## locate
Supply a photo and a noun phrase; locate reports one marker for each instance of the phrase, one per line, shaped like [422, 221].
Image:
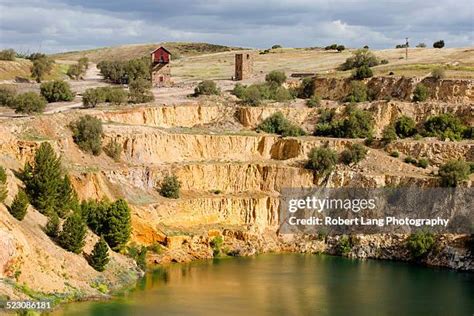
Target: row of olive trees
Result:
[32, 102]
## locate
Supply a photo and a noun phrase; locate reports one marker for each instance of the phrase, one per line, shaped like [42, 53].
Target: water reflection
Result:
[292, 284]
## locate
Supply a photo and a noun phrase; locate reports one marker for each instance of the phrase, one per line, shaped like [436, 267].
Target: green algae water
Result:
[291, 284]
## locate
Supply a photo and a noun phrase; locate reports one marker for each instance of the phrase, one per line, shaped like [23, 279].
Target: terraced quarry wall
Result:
[230, 178]
[401, 88]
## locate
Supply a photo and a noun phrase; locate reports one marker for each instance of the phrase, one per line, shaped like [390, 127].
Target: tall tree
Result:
[72, 236]
[48, 189]
[68, 197]
[100, 255]
[41, 67]
[20, 205]
[117, 227]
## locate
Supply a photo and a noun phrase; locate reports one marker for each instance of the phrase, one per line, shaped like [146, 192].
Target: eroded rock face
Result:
[166, 116]
[435, 151]
[452, 90]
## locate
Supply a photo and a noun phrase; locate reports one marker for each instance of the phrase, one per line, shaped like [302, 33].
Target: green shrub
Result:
[29, 102]
[405, 126]
[276, 46]
[7, 96]
[354, 154]
[282, 94]
[52, 226]
[423, 163]
[115, 95]
[170, 187]
[420, 243]
[113, 149]
[395, 154]
[468, 132]
[72, 236]
[252, 96]
[421, 45]
[140, 91]
[388, 134]
[471, 167]
[453, 172]
[356, 124]
[421, 93]
[100, 255]
[7, 54]
[444, 126]
[19, 205]
[42, 66]
[87, 134]
[362, 72]
[276, 77]
[139, 255]
[331, 47]
[239, 90]
[369, 141]
[361, 57]
[83, 62]
[438, 44]
[3, 185]
[306, 89]
[58, 90]
[3, 175]
[358, 92]
[384, 62]
[410, 160]
[438, 73]
[340, 48]
[92, 97]
[344, 245]
[216, 245]
[322, 160]
[278, 124]
[206, 87]
[314, 101]
[75, 72]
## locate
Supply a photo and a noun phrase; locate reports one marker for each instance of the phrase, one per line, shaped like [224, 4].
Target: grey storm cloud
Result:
[60, 25]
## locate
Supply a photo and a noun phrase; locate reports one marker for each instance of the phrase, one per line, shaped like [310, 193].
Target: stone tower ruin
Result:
[243, 66]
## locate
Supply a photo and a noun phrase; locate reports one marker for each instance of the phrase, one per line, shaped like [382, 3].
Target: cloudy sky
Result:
[63, 25]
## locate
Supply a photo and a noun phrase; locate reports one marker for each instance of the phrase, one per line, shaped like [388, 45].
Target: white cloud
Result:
[58, 25]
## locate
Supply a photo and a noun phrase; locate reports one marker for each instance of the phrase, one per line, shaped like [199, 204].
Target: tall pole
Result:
[406, 48]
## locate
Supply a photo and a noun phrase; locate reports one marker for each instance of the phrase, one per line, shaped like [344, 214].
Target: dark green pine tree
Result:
[117, 227]
[20, 205]
[67, 197]
[95, 214]
[72, 236]
[100, 255]
[52, 226]
[43, 180]
[3, 184]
